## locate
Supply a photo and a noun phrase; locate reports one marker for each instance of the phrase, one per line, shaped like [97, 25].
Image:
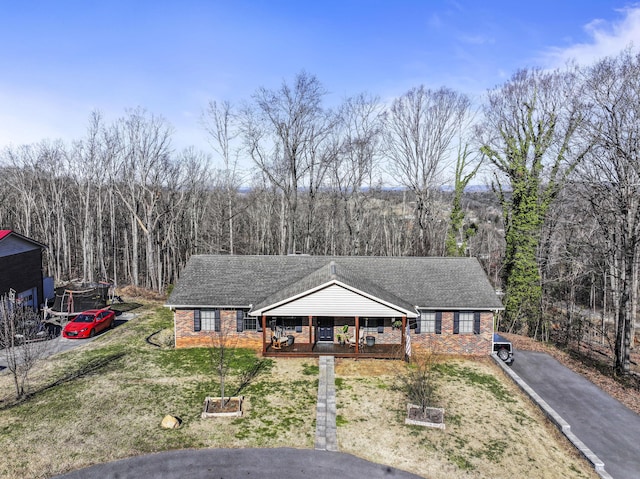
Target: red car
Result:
[88, 323]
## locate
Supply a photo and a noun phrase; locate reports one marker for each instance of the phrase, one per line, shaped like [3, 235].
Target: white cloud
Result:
[608, 38]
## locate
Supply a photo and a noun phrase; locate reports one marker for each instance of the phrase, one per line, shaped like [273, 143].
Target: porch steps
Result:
[326, 437]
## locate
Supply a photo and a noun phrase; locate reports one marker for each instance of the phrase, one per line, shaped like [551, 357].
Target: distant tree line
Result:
[561, 226]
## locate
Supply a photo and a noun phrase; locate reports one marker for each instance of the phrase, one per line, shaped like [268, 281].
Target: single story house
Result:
[299, 305]
[21, 269]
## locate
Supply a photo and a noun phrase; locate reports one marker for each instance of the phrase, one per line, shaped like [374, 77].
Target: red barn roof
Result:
[4, 233]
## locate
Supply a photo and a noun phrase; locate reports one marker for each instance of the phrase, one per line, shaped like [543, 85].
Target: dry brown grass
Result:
[484, 437]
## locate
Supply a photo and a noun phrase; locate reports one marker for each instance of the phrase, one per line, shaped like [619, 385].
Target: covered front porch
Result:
[345, 337]
[320, 317]
[300, 350]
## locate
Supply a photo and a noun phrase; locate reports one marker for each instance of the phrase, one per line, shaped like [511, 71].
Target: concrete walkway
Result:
[326, 435]
[599, 426]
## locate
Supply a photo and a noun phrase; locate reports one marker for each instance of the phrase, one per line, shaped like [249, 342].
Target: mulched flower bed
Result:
[431, 415]
[230, 405]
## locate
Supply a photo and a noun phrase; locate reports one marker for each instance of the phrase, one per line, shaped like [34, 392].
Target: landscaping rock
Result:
[170, 422]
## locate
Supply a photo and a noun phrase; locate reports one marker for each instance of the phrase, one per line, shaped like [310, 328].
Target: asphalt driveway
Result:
[60, 344]
[606, 426]
[280, 463]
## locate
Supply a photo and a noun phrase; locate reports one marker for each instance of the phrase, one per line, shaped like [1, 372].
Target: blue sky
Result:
[59, 60]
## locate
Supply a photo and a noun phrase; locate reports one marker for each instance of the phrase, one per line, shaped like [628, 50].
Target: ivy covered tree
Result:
[457, 235]
[529, 135]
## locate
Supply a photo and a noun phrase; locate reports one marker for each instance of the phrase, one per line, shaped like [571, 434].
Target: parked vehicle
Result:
[503, 348]
[88, 323]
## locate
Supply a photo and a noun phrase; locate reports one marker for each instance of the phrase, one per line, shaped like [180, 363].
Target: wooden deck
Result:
[306, 350]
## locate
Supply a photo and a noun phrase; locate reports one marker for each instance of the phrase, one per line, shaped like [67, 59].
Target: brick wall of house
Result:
[462, 344]
[186, 337]
[445, 343]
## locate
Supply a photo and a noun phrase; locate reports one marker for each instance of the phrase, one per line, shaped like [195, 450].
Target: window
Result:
[429, 322]
[210, 320]
[466, 322]
[289, 323]
[371, 325]
[251, 323]
[206, 320]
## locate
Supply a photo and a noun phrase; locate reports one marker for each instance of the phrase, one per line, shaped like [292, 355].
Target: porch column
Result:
[310, 329]
[357, 337]
[264, 334]
[404, 338]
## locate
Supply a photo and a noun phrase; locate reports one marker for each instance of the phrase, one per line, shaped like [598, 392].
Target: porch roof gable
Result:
[332, 274]
[334, 298]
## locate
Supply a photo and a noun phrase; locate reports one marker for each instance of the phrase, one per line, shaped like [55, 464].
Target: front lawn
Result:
[105, 401]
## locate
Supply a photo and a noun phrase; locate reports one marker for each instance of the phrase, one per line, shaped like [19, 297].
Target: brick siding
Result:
[467, 344]
[186, 337]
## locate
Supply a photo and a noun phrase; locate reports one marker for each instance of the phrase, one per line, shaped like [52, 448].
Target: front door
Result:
[325, 329]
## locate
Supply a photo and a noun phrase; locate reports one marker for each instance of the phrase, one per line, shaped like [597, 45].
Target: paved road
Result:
[607, 427]
[281, 463]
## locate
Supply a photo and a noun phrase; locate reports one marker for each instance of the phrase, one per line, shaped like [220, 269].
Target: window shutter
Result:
[239, 320]
[216, 320]
[456, 323]
[476, 322]
[197, 324]
[418, 321]
[438, 322]
[259, 324]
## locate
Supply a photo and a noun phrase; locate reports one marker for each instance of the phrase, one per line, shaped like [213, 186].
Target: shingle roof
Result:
[334, 271]
[6, 233]
[244, 281]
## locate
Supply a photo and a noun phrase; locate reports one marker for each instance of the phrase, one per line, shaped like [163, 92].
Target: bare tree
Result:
[222, 353]
[360, 138]
[141, 170]
[612, 173]
[282, 130]
[19, 328]
[221, 124]
[420, 128]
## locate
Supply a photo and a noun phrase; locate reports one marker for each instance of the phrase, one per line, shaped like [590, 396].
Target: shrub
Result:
[420, 383]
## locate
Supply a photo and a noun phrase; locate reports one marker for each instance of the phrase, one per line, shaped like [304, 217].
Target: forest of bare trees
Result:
[558, 221]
